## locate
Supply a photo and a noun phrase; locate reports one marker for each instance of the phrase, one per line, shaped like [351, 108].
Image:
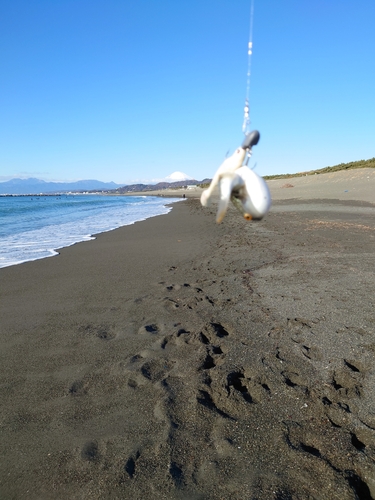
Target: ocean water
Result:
[35, 227]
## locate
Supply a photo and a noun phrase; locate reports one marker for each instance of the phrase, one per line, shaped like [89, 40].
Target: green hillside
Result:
[342, 166]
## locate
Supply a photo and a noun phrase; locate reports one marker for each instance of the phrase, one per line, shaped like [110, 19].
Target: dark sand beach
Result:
[180, 359]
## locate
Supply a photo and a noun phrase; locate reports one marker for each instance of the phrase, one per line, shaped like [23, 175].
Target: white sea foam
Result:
[32, 229]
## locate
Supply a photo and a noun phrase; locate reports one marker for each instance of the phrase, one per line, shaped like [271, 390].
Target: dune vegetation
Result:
[326, 170]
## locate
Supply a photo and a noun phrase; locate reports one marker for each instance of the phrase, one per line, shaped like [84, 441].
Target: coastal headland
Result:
[180, 359]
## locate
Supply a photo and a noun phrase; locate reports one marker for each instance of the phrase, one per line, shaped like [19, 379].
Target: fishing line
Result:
[246, 119]
[236, 182]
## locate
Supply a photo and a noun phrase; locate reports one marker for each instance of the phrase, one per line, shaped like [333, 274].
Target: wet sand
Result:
[177, 358]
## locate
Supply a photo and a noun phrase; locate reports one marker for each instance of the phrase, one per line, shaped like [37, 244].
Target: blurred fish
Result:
[248, 191]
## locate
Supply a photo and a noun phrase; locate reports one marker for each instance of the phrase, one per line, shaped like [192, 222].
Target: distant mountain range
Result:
[160, 185]
[37, 186]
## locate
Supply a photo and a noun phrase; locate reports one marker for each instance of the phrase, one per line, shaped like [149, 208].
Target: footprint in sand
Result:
[154, 329]
[103, 332]
[78, 388]
[90, 451]
[131, 465]
[315, 445]
[173, 287]
[342, 392]
[156, 369]
[151, 328]
[185, 295]
[347, 382]
[293, 379]
[252, 388]
[311, 352]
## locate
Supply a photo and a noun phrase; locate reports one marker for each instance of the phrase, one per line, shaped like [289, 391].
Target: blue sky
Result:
[131, 91]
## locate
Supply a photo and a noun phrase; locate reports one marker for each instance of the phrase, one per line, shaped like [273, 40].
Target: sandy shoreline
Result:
[175, 358]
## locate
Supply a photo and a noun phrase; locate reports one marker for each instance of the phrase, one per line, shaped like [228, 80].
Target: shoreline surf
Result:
[33, 227]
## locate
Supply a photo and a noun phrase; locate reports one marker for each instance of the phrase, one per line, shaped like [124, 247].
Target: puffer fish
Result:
[248, 191]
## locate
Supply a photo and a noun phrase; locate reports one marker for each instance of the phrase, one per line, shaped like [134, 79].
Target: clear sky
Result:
[133, 90]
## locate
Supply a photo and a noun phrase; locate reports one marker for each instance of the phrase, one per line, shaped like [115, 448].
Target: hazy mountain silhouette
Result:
[37, 186]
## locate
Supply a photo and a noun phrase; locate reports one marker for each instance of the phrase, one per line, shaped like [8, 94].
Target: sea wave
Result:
[35, 228]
